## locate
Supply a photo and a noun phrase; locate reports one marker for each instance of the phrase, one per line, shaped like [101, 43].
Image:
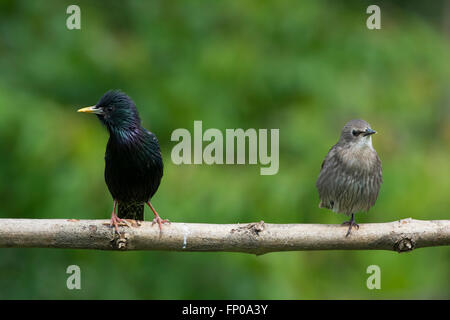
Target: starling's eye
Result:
[109, 109]
[356, 133]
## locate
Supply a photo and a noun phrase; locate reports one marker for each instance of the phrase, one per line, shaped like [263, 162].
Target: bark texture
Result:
[257, 238]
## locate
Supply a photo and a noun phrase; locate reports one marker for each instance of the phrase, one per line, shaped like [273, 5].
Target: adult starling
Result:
[351, 176]
[133, 162]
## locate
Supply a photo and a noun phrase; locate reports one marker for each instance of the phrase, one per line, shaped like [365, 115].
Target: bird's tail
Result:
[131, 210]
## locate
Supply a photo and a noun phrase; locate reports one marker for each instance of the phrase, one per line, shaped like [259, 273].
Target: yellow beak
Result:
[91, 109]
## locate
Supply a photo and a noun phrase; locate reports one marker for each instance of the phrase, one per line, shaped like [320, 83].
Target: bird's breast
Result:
[361, 159]
[132, 170]
[129, 159]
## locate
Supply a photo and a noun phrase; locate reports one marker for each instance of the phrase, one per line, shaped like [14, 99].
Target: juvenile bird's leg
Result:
[115, 220]
[350, 224]
[157, 219]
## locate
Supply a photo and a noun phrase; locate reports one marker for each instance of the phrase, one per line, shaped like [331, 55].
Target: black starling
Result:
[133, 162]
[351, 176]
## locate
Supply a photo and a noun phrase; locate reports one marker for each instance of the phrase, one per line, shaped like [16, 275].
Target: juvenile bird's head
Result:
[116, 111]
[357, 133]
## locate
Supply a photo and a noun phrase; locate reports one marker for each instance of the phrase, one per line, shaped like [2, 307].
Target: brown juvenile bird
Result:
[351, 175]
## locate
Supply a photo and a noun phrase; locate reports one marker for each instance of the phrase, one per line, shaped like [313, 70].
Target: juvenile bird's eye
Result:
[356, 132]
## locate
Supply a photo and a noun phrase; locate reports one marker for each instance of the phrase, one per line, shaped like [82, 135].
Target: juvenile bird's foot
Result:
[350, 225]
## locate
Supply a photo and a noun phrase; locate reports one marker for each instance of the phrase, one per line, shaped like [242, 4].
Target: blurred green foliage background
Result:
[305, 67]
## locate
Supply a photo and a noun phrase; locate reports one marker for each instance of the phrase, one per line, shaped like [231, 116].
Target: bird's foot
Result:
[350, 225]
[116, 221]
[159, 221]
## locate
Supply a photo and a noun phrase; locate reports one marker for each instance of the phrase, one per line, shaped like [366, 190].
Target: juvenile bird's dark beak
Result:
[368, 132]
[92, 109]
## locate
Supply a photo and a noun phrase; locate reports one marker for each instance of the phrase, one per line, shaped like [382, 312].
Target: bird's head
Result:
[115, 110]
[357, 133]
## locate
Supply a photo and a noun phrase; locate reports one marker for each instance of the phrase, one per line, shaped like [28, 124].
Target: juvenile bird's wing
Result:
[376, 181]
[326, 182]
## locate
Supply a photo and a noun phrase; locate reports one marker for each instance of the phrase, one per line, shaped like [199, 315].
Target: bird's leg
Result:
[115, 220]
[350, 224]
[157, 219]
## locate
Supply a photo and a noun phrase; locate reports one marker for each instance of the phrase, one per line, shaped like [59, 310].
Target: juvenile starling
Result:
[133, 162]
[351, 176]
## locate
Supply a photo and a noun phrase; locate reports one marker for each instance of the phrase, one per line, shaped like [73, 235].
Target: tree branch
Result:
[257, 238]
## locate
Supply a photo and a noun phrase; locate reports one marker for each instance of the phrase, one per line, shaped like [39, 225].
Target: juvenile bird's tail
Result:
[131, 210]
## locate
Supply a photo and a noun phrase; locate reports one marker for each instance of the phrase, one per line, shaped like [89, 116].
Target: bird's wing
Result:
[377, 180]
[152, 136]
[327, 179]
[155, 150]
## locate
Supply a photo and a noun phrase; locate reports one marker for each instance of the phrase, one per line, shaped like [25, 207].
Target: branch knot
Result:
[405, 245]
[120, 242]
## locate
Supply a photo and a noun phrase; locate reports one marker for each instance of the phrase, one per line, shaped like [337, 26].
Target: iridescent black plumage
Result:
[133, 162]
